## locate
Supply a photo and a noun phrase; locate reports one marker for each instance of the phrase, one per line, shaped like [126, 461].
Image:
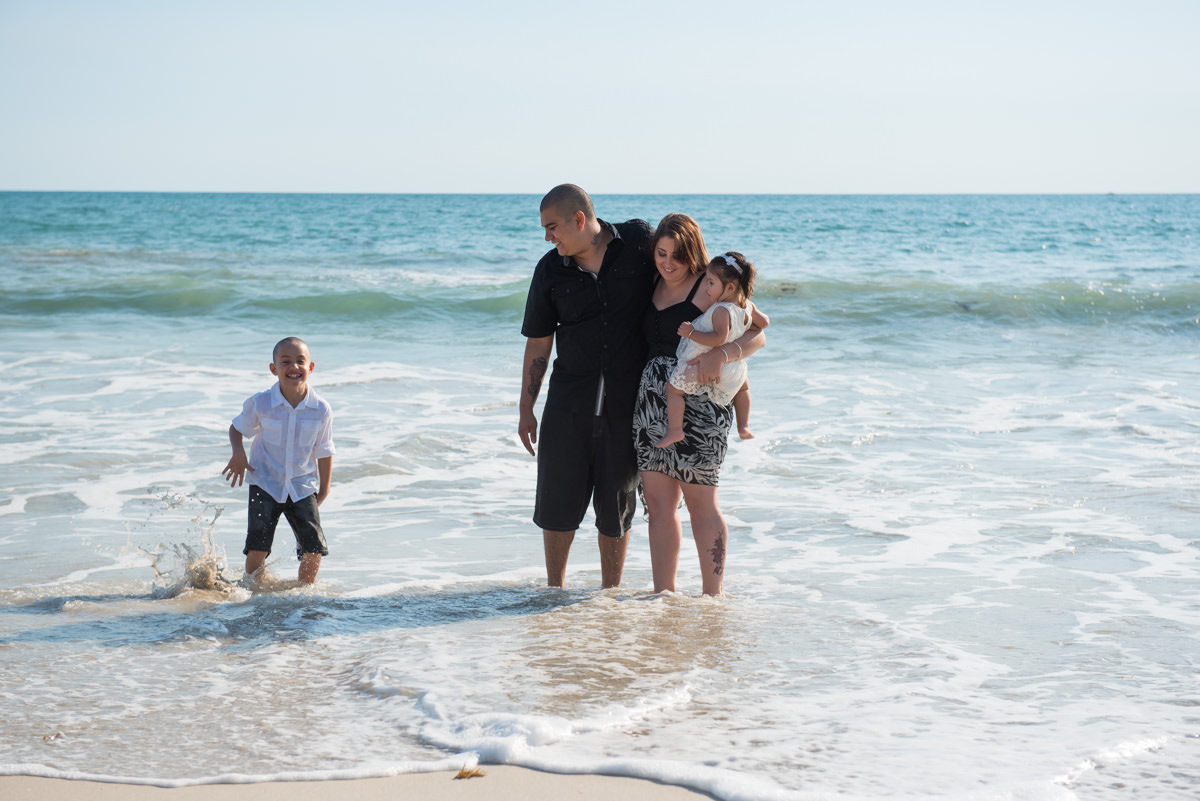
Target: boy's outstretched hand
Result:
[235, 471]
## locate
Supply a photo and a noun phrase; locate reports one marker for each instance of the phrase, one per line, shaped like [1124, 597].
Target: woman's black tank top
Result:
[661, 327]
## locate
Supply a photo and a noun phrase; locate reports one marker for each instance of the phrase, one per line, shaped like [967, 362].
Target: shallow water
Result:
[963, 556]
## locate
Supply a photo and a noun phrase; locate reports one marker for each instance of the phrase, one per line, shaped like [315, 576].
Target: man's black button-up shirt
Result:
[596, 320]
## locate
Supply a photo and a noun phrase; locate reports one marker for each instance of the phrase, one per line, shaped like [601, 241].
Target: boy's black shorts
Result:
[302, 515]
[582, 458]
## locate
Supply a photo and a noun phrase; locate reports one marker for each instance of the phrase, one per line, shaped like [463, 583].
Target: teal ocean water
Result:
[963, 561]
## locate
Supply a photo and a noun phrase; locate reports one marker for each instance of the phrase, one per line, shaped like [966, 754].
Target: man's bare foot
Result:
[670, 439]
[745, 433]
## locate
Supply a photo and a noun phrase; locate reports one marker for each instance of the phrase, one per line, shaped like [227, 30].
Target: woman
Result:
[687, 469]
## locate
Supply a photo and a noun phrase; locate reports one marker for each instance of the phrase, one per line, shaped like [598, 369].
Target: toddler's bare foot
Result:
[745, 433]
[670, 439]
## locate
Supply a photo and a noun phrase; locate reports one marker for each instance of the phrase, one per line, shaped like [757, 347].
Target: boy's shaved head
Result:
[287, 341]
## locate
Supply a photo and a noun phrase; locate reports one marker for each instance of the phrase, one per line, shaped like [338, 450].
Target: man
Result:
[588, 296]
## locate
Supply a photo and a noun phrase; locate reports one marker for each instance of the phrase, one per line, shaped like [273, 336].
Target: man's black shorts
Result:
[302, 515]
[584, 458]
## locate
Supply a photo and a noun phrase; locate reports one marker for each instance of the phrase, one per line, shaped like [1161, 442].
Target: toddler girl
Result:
[728, 285]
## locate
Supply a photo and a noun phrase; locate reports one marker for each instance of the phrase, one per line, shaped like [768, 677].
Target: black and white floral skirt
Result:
[695, 460]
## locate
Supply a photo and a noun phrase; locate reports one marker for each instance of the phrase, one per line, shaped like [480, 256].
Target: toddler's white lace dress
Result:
[733, 374]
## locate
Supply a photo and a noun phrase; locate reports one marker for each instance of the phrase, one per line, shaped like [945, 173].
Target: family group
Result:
[649, 337]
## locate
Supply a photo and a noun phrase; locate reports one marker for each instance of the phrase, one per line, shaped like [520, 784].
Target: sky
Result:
[737, 96]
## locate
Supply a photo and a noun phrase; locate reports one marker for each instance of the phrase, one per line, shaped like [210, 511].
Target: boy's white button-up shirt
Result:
[287, 442]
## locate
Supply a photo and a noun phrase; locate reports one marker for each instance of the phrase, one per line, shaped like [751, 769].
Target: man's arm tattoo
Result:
[537, 371]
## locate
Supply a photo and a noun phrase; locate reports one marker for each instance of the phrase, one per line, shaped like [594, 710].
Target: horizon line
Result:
[596, 194]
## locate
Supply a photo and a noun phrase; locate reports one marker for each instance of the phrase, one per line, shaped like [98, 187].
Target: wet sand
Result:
[499, 783]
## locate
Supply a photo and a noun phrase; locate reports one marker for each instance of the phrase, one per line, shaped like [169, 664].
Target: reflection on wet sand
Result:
[616, 648]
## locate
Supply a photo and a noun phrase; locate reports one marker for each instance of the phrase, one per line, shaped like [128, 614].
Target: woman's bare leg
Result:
[666, 533]
[708, 529]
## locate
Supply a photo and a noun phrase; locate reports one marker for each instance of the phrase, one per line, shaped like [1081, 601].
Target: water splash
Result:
[181, 567]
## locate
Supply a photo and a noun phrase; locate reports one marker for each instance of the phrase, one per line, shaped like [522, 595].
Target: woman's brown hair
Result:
[689, 242]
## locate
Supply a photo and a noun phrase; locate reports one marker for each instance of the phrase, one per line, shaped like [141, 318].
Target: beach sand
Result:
[500, 783]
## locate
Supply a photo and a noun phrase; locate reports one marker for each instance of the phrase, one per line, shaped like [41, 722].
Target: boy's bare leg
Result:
[558, 547]
[254, 562]
[741, 410]
[310, 563]
[675, 404]
[612, 559]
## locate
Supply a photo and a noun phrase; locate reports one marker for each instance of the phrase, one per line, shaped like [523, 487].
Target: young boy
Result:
[291, 460]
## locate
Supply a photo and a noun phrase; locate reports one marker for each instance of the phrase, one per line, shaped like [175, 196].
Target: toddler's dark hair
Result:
[733, 266]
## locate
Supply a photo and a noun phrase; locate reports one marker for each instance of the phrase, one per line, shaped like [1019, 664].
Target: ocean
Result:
[963, 559]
